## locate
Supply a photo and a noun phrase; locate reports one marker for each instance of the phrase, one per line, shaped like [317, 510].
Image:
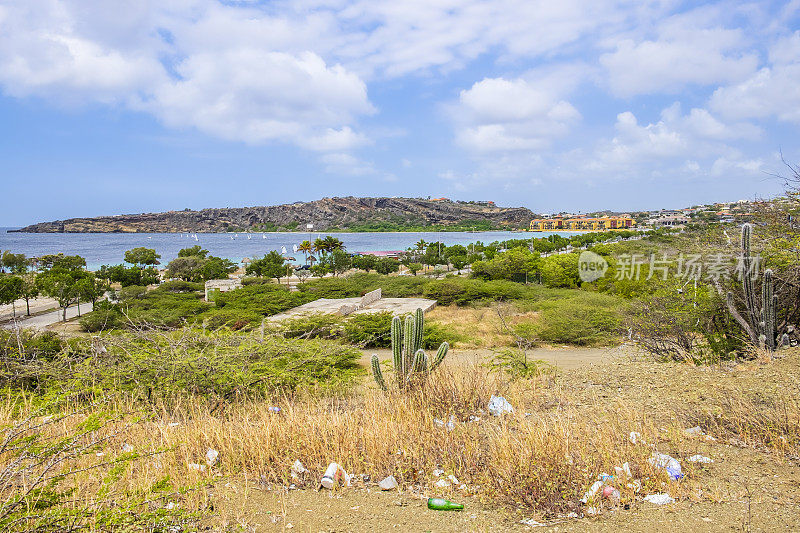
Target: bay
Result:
[108, 248]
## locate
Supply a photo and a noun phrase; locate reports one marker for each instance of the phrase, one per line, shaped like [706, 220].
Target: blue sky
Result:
[121, 107]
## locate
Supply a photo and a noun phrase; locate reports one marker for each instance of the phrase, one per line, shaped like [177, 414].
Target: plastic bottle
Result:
[331, 476]
[440, 504]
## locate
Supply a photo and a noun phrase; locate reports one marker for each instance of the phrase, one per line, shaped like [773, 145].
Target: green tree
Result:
[10, 291]
[272, 265]
[62, 286]
[560, 271]
[142, 257]
[30, 289]
[414, 268]
[14, 263]
[339, 261]
[194, 251]
[387, 265]
[458, 262]
[365, 262]
[306, 247]
[89, 288]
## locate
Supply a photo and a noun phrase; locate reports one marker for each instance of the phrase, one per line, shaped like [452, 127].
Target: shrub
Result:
[105, 316]
[560, 270]
[178, 285]
[263, 299]
[585, 319]
[369, 329]
[312, 326]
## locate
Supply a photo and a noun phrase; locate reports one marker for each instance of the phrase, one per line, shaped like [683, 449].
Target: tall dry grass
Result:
[538, 458]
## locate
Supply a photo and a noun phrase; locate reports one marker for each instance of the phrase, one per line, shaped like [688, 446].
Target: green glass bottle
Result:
[440, 504]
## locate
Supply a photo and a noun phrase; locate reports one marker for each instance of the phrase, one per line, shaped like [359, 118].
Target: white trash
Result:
[627, 469]
[498, 406]
[333, 474]
[659, 499]
[453, 479]
[297, 469]
[634, 437]
[438, 472]
[670, 464]
[693, 432]
[388, 483]
[596, 486]
[212, 456]
[127, 448]
[451, 423]
[442, 484]
[196, 466]
[700, 459]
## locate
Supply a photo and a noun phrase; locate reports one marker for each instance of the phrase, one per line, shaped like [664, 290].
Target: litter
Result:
[212, 456]
[659, 499]
[498, 406]
[442, 484]
[700, 459]
[610, 493]
[627, 469]
[196, 466]
[670, 464]
[333, 474]
[597, 485]
[473, 418]
[297, 469]
[438, 422]
[635, 437]
[173, 424]
[438, 472]
[693, 432]
[273, 409]
[127, 448]
[451, 423]
[605, 478]
[453, 479]
[388, 483]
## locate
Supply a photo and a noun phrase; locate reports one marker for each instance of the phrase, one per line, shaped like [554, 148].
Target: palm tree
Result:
[332, 243]
[421, 246]
[320, 246]
[305, 247]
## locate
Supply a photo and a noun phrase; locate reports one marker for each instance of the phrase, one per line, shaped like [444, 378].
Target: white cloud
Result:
[496, 114]
[347, 164]
[677, 145]
[688, 49]
[773, 91]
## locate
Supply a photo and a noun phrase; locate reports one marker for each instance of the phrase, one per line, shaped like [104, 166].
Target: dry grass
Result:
[480, 326]
[564, 432]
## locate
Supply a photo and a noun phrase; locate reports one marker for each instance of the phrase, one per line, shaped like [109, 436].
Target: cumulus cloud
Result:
[678, 143]
[688, 49]
[773, 91]
[497, 114]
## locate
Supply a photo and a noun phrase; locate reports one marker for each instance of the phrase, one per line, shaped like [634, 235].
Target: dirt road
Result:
[42, 321]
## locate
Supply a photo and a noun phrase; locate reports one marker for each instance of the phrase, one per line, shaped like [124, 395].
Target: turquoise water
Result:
[108, 248]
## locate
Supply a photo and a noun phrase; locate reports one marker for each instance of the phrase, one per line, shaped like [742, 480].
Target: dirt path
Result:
[42, 321]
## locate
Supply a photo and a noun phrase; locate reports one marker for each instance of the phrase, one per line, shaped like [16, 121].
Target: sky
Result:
[110, 107]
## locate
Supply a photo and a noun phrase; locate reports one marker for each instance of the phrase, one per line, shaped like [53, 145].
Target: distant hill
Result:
[328, 214]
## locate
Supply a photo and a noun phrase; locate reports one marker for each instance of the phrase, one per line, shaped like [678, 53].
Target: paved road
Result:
[40, 322]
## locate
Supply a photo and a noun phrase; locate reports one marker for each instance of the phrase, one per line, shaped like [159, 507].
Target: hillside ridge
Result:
[326, 214]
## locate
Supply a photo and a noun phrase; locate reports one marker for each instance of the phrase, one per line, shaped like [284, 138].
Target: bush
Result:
[105, 316]
[369, 329]
[178, 285]
[586, 319]
[312, 326]
[263, 299]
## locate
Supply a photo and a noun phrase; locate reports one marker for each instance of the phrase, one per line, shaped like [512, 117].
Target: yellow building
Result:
[582, 224]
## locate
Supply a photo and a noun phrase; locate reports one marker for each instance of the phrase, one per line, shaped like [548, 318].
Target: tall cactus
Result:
[411, 365]
[760, 323]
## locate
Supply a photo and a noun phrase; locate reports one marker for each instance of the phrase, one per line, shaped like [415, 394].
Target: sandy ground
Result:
[744, 489]
[47, 320]
[38, 305]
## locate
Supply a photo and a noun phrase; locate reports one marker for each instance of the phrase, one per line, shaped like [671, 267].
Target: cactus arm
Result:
[440, 354]
[397, 348]
[768, 301]
[747, 282]
[377, 374]
[419, 328]
[408, 345]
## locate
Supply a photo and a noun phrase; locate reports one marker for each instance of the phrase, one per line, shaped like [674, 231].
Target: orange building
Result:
[582, 224]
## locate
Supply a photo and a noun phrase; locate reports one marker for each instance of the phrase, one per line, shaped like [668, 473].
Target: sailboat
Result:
[195, 236]
[249, 237]
[263, 236]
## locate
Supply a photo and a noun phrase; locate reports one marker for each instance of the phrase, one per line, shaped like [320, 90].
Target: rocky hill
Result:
[328, 214]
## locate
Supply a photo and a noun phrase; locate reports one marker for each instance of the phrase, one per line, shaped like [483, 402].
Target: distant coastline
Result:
[348, 214]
